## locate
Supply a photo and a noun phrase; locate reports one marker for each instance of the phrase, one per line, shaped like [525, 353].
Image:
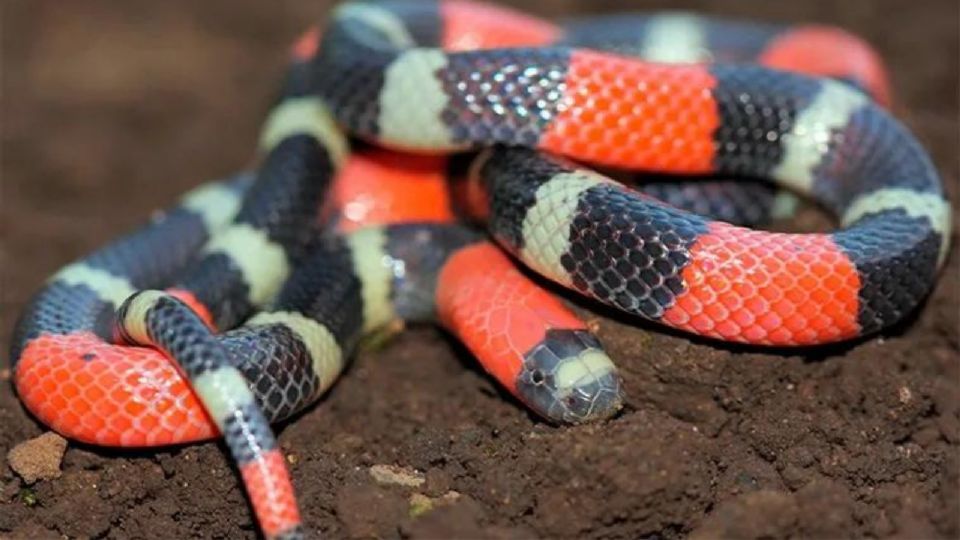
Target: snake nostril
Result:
[537, 376]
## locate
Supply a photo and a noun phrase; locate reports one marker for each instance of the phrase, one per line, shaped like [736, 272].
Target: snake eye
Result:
[537, 376]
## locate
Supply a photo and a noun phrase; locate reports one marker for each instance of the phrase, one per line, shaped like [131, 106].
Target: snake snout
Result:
[569, 379]
[593, 397]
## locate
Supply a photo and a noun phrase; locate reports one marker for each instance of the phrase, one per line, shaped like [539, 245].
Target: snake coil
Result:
[247, 255]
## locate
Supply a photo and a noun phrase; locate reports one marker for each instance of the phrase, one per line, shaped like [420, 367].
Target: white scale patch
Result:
[134, 322]
[411, 102]
[324, 350]
[215, 203]
[376, 271]
[379, 18]
[222, 390]
[785, 204]
[114, 289]
[547, 223]
[675, 38]
[914, 203]
[262, 262]
[411, 98]
[307, 116]
[588, 366]
[808, 141]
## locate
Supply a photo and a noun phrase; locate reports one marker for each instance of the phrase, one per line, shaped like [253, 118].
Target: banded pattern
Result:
[239, 270]
[819, 137]
[546, 357]
[405, 75]
[240, 267]
[710, 278]
[64, 333]
[689, 37]
[293, 350]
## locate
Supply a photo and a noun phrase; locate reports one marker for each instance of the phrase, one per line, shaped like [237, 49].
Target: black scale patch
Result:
[859, 86]
[61, 309]
[422, 250]
[241, 429]
[506, 96]
[621, 34]
[873, 151]
[511, 177]
[148, 257]
[348, 73]
[284, 199]
[326, 288]
[297, 81]
[745, 202]
[173, 327]
[757, 107]
[731, 40]
[277, 365]
[628, 251]
[151, 255]
[421, 19]
[896, 258]
[283, 203]
[726, 40]
[217, 282]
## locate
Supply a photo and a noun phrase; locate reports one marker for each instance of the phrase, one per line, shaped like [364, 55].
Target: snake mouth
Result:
[569, 379]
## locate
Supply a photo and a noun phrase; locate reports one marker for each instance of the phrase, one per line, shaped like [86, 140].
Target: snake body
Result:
[440, 78]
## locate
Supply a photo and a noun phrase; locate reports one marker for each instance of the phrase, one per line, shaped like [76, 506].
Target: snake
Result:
[238, 307]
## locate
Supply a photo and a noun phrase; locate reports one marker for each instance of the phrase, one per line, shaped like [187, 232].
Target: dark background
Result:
[111, 109]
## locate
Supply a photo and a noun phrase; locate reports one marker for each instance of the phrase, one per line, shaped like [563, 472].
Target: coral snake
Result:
[253, 255]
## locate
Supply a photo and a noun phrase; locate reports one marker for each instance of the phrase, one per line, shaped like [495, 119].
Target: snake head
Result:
[568, 378]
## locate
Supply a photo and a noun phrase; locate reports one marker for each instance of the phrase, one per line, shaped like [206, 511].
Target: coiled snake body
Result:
[540, 101]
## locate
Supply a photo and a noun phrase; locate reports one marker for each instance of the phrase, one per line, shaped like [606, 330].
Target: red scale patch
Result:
[768, 288]
[382, 187]
[829, 52]
[496, 311]
[271, 493]
[626, 113]
[125, 396]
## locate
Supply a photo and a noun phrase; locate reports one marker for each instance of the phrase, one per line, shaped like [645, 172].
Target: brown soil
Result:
[111, 109]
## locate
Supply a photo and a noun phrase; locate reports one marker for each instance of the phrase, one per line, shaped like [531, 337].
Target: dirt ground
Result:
[111, 109]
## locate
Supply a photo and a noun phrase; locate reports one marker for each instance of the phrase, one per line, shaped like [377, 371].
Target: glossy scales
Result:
[381, 72]
[533, 345]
